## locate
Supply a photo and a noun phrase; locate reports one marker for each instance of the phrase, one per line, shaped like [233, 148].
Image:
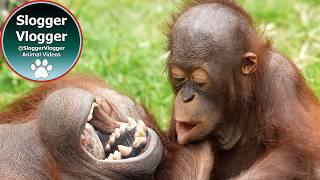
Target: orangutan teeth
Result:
[117, 133]
[123, 128]
[107, 147]
[139, 141]
[126, 141]
[140, 132]
[124, 150]
[131, 122]
[90, 116]
[88, 126]
[141, 123]
[111, 139]
[110, 157]
[116, 155]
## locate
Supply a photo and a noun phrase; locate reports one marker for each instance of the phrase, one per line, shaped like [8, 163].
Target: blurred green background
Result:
[124, 43]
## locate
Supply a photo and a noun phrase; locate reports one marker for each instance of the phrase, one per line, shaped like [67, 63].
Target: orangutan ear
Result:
[249, 63]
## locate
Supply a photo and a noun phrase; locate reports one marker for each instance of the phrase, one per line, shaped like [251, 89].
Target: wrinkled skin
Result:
[232, 87]
[46, 135]
[201, 52]
[142, 166]
[57, 132]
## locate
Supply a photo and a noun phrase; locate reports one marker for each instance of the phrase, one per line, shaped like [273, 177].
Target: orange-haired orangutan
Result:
[233, 88]
[78, 128]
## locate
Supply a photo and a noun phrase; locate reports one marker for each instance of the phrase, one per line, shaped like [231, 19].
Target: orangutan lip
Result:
[91, 116]
[187, 126]
[99, 136]
[97, 119]
[94, 135]
[101, 120]
[184, 127]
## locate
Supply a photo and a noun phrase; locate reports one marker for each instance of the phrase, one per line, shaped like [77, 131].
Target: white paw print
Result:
[41, 68]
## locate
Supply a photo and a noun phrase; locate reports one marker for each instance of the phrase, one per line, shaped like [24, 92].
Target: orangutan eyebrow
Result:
[200, 76]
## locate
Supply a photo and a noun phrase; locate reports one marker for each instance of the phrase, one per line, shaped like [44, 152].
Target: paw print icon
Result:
[41, 68]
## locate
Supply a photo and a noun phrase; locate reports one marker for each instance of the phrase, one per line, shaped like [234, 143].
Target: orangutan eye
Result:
[200, 77]
[178, 76]
[179, 81]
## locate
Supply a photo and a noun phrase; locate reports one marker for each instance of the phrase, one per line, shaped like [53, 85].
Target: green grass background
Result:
[124, 43]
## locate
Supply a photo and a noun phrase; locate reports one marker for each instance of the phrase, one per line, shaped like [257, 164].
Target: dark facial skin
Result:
[206, 41]
[234, 88]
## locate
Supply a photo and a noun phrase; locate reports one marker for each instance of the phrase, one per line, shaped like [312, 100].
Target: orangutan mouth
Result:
[107, 139]
[183, 128]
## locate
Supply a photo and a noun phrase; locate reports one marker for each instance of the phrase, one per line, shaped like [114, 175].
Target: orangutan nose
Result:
[187, 94]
